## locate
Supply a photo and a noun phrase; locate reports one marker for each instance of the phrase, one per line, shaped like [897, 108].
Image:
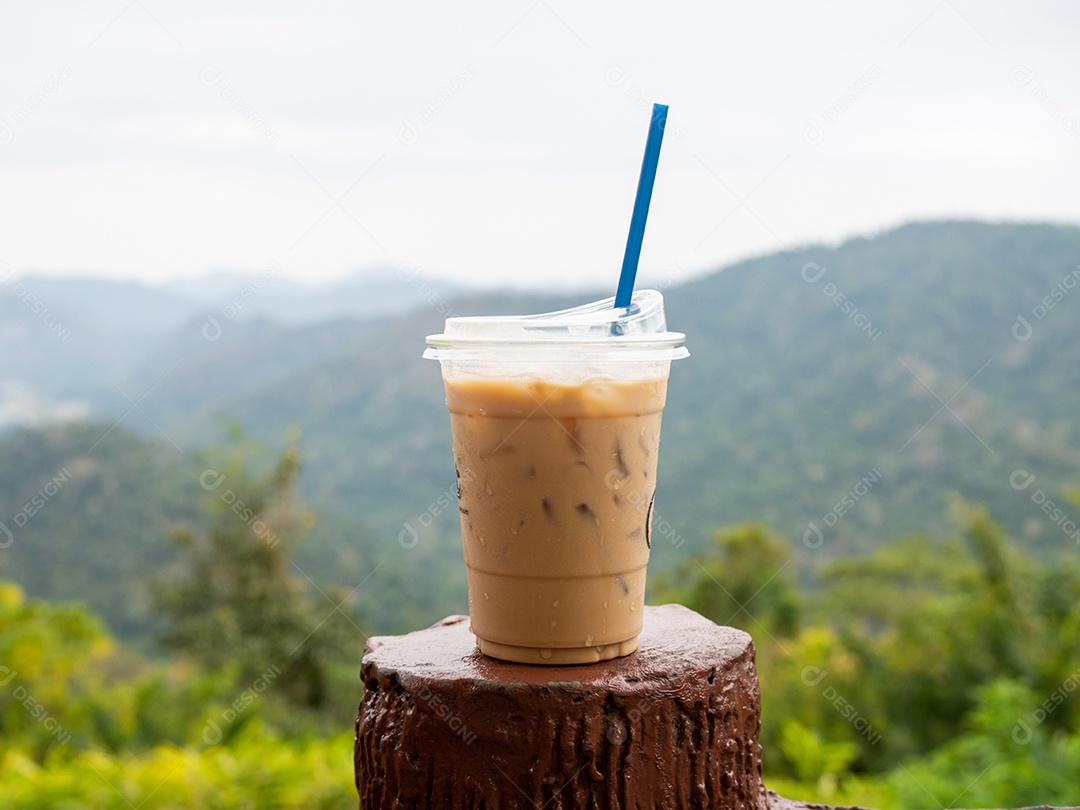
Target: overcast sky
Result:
[501, 142]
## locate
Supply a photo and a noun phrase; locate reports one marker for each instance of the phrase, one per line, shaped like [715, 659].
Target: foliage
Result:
[239, 602]
[918, 661]
[813, 759]
[43, 647]
[856, 689]
[258, 770]
[742, 583]
[84, 723]
[1004, 758]
[104, 499]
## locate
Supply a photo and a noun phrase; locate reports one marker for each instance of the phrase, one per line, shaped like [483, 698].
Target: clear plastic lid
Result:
[630, 332]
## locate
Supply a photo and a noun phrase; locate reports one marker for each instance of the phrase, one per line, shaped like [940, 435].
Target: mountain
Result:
[840, 395]
[837, 394]
[268, 295]
[75, 337]
[813, 400]
[890, 365]
[83, 342]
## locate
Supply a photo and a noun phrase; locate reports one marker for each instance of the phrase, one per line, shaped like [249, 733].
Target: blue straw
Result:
[641, 206]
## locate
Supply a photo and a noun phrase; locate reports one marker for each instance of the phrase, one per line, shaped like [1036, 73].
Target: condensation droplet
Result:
[555, 603]
[487, 488]
[483, 542]
[588, 641]
[546, 654]
[553, 622]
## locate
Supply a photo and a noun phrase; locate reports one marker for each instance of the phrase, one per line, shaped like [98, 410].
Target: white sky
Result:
[121, 155]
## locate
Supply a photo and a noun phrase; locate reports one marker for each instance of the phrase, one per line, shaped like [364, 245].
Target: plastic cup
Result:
[555, 422]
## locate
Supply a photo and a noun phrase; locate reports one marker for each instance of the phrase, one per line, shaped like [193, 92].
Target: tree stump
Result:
[674, 725]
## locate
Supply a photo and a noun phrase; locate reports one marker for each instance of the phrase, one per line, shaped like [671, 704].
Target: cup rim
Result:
[661, 340]
[628, 348]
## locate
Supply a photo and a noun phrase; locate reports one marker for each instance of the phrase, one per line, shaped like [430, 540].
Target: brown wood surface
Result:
[674, 725]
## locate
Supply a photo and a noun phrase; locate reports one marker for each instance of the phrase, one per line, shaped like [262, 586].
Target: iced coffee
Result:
[555, 443]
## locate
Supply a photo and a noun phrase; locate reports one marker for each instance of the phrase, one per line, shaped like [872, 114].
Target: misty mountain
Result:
[78, 347]
[840, 395]
[888, 364]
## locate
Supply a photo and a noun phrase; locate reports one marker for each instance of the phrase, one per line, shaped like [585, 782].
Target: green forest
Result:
[784, 409]
[927, 672]
[249, 703]
[888, 504]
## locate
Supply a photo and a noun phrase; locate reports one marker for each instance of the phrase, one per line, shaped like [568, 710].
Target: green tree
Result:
[886, 661]
[237, 600]
[814, 760]
[1006, 757]
[929, 623]
[742, 581]
[44, 647]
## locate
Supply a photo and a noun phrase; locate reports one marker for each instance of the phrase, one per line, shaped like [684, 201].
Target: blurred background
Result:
[223, 464]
